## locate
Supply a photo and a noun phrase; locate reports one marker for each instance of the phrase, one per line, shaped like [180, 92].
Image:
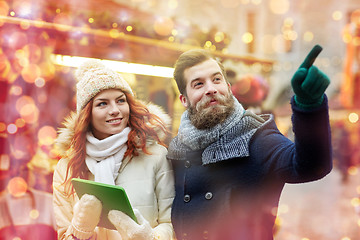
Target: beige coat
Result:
[147, 179]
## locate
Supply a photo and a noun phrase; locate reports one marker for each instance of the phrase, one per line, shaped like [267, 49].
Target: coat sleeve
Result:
[306, 159]
[62, 203]
[165, 192]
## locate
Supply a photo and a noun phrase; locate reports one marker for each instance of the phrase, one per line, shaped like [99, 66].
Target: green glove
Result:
[309, 83]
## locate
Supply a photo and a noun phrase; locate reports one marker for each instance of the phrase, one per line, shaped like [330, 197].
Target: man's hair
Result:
[189, 59]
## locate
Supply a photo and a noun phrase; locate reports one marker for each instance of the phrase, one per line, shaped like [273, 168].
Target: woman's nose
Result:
[114, 110]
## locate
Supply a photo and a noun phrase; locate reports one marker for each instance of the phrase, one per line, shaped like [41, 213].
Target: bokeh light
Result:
[47, 135]
[353, 117]
[12, 128]
[17, 187]
[279, 6]
[163, 26]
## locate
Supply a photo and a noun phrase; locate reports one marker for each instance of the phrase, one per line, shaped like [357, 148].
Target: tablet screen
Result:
[112, 198]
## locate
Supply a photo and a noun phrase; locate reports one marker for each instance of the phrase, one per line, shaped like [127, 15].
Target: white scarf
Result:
[104, 157]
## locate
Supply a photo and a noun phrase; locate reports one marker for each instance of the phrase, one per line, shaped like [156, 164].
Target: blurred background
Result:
[260, 42]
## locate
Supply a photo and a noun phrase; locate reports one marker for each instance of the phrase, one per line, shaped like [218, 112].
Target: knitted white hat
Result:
[93, 77]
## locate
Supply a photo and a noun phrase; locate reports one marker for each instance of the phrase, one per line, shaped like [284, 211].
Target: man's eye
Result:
[197, 84]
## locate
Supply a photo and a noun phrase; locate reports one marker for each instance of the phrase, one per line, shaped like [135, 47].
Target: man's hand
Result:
[309, 83]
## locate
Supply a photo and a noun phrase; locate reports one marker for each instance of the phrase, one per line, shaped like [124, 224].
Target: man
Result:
[230, 164]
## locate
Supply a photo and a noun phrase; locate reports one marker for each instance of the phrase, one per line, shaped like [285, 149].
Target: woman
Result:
[115, 139]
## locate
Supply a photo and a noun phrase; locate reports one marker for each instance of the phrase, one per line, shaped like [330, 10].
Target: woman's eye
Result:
[121, 100]
[102, 104]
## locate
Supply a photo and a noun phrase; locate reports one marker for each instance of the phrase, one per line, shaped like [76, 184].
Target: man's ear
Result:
[183, 100]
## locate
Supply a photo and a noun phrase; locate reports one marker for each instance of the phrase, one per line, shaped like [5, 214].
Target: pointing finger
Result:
[310, 58]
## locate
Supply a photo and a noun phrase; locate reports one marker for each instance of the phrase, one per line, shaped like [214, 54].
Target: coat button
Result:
[208, 195]
[187, 164]
[187, 198]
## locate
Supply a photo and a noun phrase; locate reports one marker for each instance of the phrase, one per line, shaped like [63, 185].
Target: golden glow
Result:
[337, 15]
[355, 202]
[20, 122]
[2, 127]
[163, 26]
[353, 117]
[129, 28]
[90, 20]
[219, 36]
[279, 6]
[17, 187]
[173, 4]
[46, 135]
[124, 67]
[247, 38]
[308, 36]
[353, 170]
[34, 214]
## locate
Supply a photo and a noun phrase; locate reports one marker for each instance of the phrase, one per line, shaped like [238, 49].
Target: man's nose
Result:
[210, 89]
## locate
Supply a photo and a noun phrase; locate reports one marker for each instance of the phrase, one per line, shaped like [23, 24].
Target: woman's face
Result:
[110, 113]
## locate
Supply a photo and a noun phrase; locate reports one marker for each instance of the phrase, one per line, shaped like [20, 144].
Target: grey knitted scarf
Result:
[226, 140]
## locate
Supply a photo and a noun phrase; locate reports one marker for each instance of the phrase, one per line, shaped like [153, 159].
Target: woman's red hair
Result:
[143, 124]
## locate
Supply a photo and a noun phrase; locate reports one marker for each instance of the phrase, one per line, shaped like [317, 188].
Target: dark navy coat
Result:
[238, 198]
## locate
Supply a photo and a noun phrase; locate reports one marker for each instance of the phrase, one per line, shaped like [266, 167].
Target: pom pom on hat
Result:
[93, 77]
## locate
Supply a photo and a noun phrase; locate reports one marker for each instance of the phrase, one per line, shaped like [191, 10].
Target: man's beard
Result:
[204, 116]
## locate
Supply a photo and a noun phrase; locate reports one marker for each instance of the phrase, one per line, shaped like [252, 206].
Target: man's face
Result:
[208, 97]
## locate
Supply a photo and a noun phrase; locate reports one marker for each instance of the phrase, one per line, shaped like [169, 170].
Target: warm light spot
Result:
[58, 10]
[2, 127]
[4, 8]
[208, 44]
[12, 13]
[305, 238]
[247, 38]
[358, 189]
[173, 4]
[25, 105]
[345, 238]
[219, 36]
[39, 82]
[256, 2]
[11, 128]
[230, 3]
[278, 221]
[24, 24]
[355, 202]
[353, 170]
[347, 38]
[114, 33]
[34, 214]
[337, 15]
[46, 135]
[15, 90]
[308, 36]
[129, 28]
[30, 73]
[4, 162]
[20, 122]
[17, 186]
[171, 39]
[353, 117]
[114, 25]
[163, 26]
[90, 20]
[279, 6]
[358, 222]
[174, 32]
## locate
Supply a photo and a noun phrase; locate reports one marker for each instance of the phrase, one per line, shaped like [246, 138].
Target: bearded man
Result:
[231, 164]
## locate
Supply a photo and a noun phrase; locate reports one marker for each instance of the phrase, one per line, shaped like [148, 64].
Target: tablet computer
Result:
[112, 198]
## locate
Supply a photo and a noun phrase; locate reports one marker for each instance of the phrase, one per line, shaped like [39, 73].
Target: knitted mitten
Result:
[128, 228]
[309, 83]
[86, 216]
